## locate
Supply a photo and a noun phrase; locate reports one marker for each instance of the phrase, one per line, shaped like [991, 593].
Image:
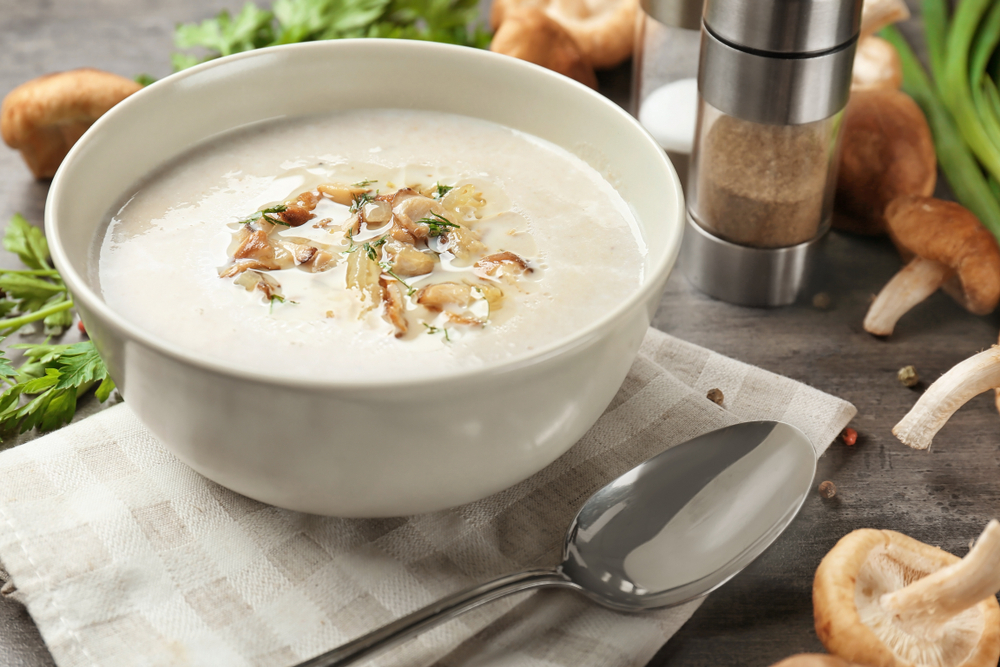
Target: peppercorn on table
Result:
[943, 497]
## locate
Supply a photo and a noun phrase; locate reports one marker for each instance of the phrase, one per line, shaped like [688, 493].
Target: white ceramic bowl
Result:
[385, 455]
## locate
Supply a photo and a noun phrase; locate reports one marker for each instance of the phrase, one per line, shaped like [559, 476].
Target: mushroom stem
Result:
[949, 392]
[952, 589]
[915, 282]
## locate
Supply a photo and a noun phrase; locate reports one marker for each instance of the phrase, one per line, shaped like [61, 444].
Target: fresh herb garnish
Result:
[435, 330]
[442, 190]
[387, 269]
[438, 224]
[293, 21]
[361, 184]
[371, 249]
[54, 376]
[360, 200]
[34, 294]
[265, 213]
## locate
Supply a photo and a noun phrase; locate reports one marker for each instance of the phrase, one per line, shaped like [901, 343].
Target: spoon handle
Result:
[443, 610]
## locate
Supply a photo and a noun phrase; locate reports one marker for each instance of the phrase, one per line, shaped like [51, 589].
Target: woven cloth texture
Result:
[124, 556]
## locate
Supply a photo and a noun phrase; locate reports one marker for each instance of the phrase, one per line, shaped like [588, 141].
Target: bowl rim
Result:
[91, 301]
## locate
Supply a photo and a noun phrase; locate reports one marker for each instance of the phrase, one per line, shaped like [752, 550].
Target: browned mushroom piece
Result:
[603, 29]
[530, 34]
[948, 244]
[395, 307]
[882, 598]
[44, 117]
[969, 378]
[876, 65]
[887, 151]
[814, 660]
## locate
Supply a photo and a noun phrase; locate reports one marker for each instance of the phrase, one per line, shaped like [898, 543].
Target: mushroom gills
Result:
[948, 642]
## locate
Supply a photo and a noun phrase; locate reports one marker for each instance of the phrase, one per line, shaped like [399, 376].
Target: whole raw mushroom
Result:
[44, 117]
[882, 598]
[887, 152]
[876, 65]
[949, 247]
[530, 34]
[813, 660]
[602, 29]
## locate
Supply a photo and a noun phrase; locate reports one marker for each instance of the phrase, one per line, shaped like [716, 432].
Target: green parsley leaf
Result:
[27, 241]
[144, 79]
[80, 364]
[224, 35]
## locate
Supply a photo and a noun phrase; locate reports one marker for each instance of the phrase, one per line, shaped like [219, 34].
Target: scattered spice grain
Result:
[822, 301]
[849, 436]
[83, 329]
[715, 395]
[908, 377]
[827, 489]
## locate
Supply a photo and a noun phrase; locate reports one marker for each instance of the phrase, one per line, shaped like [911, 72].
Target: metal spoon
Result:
[670, 530]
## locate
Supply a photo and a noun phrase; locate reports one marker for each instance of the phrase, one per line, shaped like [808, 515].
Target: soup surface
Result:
[513, 244]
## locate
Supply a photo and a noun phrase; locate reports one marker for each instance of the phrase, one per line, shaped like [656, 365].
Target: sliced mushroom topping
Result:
[296, 215]
[252, 280]
[363, 275]
[463, 243]
[342, 194]
[255, 245]
[241, 265]
[310, 257]
[411, 211]
[506, 262]
[466, 201]
[408, 261]
[439, 296]
[395, 306]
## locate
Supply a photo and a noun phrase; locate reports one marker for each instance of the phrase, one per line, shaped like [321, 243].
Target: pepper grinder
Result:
[773, 80]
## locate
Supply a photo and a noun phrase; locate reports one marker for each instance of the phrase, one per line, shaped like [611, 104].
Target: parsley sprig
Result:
[42, 392]
[34, 294]
[291, 21]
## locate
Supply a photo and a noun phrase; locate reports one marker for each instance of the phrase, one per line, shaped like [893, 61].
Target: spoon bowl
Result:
[689, 519]
[670, 530]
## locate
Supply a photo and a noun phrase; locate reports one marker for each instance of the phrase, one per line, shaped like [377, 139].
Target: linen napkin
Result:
[125, 556]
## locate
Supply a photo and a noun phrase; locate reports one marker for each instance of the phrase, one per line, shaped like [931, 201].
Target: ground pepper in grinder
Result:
[773, 82]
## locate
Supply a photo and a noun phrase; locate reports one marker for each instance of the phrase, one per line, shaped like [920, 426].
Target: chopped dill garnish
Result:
[360, 200]
[438, 224]
[371, 249]
[361, 184]
[386, 268]
[442, 190]
[349, 235]
[280, 208]
[279, 299]
[435, 330]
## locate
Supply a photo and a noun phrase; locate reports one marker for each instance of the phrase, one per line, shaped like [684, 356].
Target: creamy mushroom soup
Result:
[370, 244]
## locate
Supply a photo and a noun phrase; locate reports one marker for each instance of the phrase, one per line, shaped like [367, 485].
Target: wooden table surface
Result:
[943, 497]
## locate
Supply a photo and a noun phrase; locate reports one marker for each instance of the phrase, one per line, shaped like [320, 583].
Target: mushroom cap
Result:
[44, 117]
[886, 151]
[866, 564]
[876, 65]
[813, 660]
[530, 34]
[949, 233]
[603, 29]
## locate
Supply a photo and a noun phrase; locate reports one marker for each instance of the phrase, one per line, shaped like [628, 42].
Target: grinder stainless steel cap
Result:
[774, 77]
